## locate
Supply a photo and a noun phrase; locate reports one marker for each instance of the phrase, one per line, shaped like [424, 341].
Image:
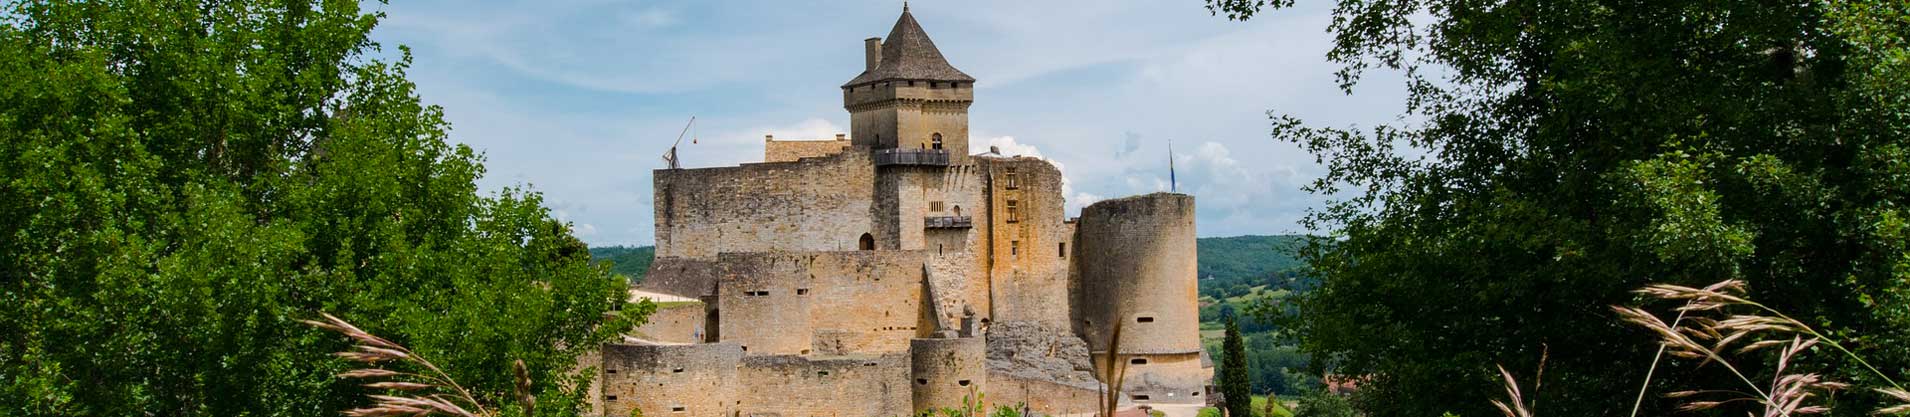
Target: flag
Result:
[1173, 185]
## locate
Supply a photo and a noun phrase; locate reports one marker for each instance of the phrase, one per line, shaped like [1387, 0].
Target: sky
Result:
[578, 99]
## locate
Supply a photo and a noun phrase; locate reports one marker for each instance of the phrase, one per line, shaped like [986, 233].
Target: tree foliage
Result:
[1555, 154]
[632, 262]
[181, 180]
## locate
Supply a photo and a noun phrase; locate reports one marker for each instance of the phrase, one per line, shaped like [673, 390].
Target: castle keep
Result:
[891, 271]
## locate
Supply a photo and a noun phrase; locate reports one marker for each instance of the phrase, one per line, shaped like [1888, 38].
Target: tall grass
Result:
[428, 392]
[1718, 323]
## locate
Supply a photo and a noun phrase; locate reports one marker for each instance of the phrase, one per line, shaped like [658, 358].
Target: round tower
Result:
[1138, 269]
[1137, 272]
[946, 371]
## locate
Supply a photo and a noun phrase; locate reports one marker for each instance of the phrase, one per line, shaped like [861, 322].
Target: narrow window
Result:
[1014, 248]
[677, 409]
[920, 381]
[936, 142]
[962, 382]
[958, 210]
[1140, 398]
[610, 398]
[677, 370]
[802, 291]
[1144, 319]
[821, 373]
[610, 371]
[1014, 212]
[867, 242]
[1137, 361]
[935, 206]
[1012, 181]
[1063, 249]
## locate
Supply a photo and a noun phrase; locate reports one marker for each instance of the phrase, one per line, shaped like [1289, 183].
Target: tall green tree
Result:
[1236, 384]
[1554, 154]
[182, 180]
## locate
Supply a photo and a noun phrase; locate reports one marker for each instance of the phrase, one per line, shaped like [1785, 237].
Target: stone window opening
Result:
[677, 370]
[1014, 211]
[1140, 397]
[610, 371]
[802, 291]
[935, 141]
[1137, 361]
[920, 381]
[819, 373]
[962, 382]
[610, 398]
[1063, 249]
[1144, 319]
[867, 242]
[678, 409]
[935, 206]
[1011, 180]
[1014, 248]
[958, 210]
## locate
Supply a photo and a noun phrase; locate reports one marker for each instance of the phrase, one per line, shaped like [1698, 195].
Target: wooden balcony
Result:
[926, 157]
[948, 222]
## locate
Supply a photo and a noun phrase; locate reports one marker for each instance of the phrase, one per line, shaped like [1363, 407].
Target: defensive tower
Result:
[908, 97]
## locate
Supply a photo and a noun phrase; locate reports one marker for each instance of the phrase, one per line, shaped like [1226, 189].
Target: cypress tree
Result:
[1235, 381]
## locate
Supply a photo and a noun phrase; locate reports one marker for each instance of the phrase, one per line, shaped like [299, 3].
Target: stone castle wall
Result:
[1027, 256]
[793, 150]
[818, 204]
[1138, 267]
[671, 380]
[829, 386]
[1042, 396]
[1166, 378]
[822, 302]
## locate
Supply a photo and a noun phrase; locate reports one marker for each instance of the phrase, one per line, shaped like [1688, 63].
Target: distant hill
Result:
[1224, 261]
[629, 261]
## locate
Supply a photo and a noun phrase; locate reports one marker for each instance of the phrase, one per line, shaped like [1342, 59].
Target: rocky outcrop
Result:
[1030, 351]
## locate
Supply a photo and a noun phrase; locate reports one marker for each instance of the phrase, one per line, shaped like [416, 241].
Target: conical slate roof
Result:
[908, 54]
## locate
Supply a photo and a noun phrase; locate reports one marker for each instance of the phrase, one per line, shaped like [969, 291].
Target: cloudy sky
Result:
[578, 99]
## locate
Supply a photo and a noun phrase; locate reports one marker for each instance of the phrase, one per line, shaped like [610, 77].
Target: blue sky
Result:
[578, 98]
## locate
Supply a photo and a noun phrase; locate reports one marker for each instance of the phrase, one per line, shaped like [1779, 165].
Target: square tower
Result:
[908, 97]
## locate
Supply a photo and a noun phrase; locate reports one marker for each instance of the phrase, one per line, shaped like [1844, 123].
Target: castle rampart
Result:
[818, 204]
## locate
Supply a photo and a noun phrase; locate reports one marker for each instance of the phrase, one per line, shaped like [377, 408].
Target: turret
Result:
[908, 96]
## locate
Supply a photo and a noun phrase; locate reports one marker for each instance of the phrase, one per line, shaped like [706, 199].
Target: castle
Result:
[890, 271]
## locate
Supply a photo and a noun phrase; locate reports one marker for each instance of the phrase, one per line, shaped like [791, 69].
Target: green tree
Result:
[1554, 155]
[1324, 404]
[182, 180]
[1236, 383]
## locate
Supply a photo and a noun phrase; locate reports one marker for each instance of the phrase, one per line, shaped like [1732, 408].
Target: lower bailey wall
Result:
[1164, 378]
[1041, 396]
[671, 380]
[822, 386]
